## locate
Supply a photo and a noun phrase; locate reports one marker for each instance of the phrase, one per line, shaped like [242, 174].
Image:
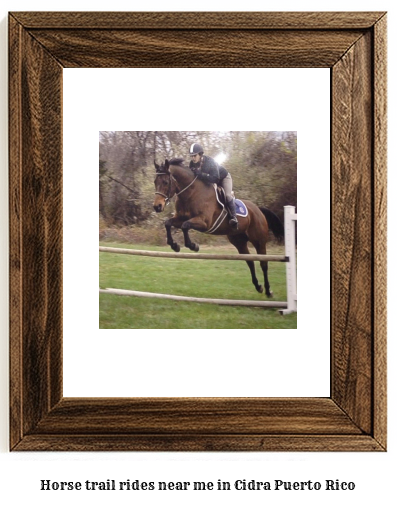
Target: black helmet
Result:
[195, 148]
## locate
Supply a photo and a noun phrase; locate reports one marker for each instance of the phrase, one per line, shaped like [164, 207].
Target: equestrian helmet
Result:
[195, 148]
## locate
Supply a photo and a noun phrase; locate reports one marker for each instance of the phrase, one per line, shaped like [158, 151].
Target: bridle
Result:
[168, 197]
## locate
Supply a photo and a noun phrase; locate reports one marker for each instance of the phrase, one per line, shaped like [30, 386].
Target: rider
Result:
[208, 170]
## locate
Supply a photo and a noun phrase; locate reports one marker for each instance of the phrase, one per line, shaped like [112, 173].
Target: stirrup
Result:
[233, 222]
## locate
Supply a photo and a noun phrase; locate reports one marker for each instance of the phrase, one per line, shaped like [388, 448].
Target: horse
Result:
[197, 208]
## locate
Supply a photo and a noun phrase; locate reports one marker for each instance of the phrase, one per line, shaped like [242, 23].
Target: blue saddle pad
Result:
[241, 208]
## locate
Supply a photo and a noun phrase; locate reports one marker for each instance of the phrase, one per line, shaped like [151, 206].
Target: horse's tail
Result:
[275, 224]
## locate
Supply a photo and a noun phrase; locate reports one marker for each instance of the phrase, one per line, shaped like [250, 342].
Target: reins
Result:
[190, 184]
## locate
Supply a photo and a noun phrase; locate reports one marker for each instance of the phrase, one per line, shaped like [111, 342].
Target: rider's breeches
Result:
[227, 184]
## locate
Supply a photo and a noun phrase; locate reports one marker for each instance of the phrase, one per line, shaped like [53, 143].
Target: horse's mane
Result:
[177, 161]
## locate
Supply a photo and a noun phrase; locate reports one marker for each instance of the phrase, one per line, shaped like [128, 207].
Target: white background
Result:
[374, 474]
[257, 363]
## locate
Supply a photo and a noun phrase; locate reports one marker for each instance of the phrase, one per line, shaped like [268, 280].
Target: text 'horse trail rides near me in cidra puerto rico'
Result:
[197, 208]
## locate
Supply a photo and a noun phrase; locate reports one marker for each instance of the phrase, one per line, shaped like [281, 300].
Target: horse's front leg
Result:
[196, 223]
[173, 222]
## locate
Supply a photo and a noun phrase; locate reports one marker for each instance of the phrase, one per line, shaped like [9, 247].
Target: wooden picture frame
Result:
[353, 46]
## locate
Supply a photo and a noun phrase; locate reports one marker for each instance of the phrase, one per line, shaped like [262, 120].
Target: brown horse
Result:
[198, 208]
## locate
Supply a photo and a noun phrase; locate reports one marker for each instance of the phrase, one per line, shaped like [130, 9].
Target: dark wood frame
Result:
[353, 46]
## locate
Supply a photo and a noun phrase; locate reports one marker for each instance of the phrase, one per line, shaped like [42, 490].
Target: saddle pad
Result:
[241, 208]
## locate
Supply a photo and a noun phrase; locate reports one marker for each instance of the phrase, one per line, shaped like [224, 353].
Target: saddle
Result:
[241, 208]
[221, 194]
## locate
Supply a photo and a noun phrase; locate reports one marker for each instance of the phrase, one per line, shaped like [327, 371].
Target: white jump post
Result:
[290, 218]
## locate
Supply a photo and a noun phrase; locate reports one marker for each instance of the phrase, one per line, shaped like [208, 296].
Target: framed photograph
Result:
[353, 47]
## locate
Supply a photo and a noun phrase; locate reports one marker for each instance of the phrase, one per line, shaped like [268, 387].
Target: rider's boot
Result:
[232, 212]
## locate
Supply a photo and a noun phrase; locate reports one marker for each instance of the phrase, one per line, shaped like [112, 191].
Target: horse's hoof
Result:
[260, 289]
[195, 247]
[269, 294]
[176, 247]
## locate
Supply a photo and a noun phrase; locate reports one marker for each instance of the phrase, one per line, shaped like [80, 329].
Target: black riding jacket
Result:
[208, 170]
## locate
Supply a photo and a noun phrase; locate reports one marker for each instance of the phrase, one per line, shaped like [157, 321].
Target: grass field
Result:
[196, 278]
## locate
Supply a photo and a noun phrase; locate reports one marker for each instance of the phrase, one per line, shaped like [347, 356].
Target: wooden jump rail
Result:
[226, 302]
[217, 257]
[289, 258]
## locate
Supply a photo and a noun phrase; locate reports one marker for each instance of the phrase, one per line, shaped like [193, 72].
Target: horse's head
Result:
[164, 184]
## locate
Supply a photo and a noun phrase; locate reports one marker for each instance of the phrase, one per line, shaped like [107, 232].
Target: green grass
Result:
[196, 278]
